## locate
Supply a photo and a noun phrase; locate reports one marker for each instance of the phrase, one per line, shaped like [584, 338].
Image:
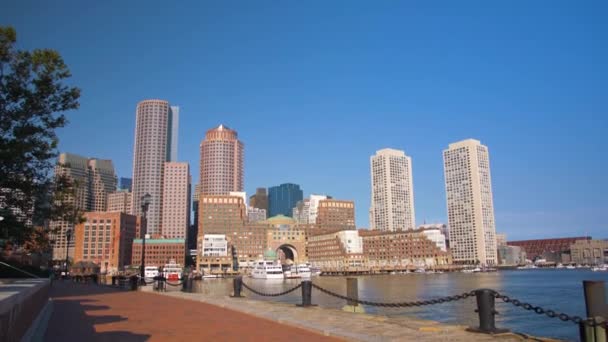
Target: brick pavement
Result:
[98, 313]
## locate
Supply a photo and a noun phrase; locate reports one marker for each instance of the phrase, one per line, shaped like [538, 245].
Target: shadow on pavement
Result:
[70, 321]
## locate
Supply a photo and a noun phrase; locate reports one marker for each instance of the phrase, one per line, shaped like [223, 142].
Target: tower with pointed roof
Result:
[221, 163]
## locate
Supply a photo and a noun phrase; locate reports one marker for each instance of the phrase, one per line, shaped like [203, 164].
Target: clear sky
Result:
[316, 87]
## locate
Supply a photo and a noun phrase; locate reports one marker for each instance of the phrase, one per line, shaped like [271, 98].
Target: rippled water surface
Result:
[560, 290]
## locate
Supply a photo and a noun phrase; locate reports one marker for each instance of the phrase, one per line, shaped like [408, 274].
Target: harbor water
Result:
[557, 289]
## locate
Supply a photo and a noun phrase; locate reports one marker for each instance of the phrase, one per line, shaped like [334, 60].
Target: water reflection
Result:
[560, 290]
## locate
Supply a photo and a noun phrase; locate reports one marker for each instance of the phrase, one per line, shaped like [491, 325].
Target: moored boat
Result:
[267, 269]
[172, 271]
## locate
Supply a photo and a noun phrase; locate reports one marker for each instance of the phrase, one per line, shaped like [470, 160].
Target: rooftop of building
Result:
[280, 219]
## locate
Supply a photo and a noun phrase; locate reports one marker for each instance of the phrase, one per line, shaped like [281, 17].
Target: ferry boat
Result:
[266, 269]
[150, 272]
[172, 271]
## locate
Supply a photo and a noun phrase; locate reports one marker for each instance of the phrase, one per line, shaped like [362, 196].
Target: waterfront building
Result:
[511, 255]
[470, 206]
[159, 252]
[589, 252]
[286, 239]
[215, 254]
[401, 248]
[176, 200]
[548, 249]
[256, 214]
[442, 227]
[283, 198]
[259, 199]
[435, 235]
[106, 239]
[156, 127]
[224, 214]
[392, 198]
[126, 184]
[120, 201]
[336, 250]
[306, 210]
[335, 215]
[221, 162]
[93, 179]
[501, 239]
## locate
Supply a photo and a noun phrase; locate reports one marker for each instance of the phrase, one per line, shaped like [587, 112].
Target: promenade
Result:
[100, 313]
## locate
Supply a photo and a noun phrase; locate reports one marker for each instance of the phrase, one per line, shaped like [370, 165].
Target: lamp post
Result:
[68, 237]
[145, 203]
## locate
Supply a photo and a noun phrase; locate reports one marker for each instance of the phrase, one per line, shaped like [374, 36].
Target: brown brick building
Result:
[335, 215]
[222, 214]
[546, 248]
[337, 249]
[105, 238]
[160, 251]
[404, 248]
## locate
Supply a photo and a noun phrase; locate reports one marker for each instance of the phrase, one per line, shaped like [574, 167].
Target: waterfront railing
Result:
[593, 328]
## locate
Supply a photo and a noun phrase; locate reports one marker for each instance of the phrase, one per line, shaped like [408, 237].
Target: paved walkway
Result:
[98, 313]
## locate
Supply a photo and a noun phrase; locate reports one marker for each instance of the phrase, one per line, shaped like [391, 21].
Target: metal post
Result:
[352, 290]
[145, 203]
[486, 311]
[306, 294]
[595, 302]
[237, 285]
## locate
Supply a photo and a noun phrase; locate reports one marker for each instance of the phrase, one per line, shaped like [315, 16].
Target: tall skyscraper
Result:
[392, 206]
[283, 198]
[93, 180]
[126, 184]
[193, 232]
[468, 187]
[259, 199]
[155, 143]
[176, 200]
[221, 169]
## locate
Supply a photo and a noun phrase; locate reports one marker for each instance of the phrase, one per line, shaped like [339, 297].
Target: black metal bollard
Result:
[306, 294]
[486, 311]
[133, 280]
[237, 286]
[113, 280]
[597, 307]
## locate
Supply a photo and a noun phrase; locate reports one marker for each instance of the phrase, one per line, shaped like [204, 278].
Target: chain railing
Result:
[590, 321]
[264, 294]
[485, 305]
[434, 301]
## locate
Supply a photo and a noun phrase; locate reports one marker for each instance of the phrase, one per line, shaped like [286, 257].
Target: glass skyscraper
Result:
[125, 183]
[283, 198]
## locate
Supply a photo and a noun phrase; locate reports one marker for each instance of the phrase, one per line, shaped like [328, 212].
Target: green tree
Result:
[33, 96]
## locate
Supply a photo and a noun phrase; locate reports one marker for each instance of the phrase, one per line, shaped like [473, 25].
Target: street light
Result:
[68, 237]
[145, 203]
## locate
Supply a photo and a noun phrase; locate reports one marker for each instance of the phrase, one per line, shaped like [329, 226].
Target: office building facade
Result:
[469, 201]
[176, 200]
[155, 143]
[283, 198]
[221, 162]
[392, 197]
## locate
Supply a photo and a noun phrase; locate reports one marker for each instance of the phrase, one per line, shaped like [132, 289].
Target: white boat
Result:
[527, 267]
[600, 268]
[301, 270]
[420, 270]
[314, 270]
[266, 269]
[559, 266]
[150, 272]
[570, 267]
[172, 271]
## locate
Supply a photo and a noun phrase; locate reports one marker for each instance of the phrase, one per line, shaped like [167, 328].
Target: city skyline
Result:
[380, 96]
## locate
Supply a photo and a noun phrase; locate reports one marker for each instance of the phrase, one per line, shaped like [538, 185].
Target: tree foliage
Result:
[33, 97]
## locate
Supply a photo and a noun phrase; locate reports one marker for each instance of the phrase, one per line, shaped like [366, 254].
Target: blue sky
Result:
[316, 87]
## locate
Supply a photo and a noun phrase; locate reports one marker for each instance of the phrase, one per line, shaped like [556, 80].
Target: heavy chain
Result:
[271, 294]
[591, 322]
[398, 305]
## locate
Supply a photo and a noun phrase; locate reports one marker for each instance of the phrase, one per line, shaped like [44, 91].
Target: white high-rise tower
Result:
[468, 188]
[392, 204]
[155, 143]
